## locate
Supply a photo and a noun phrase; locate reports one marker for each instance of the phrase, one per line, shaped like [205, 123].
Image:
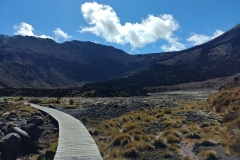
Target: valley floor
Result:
[167, 125]
[172, 125]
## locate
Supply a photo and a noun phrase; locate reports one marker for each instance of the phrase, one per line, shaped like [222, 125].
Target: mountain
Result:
[216, 58]
[43, 63]
[30, 62]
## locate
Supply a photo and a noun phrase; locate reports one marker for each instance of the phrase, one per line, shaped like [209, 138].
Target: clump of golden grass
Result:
[160, 142]
[166, 154]
[121, 140]
[207, 154]
[224, 100]
[194, 135]
[28, 110]
[174, 123]
[208, 142]
[172, 138]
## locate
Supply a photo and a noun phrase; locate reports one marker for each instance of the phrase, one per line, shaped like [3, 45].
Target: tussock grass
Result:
[171, 138]
[28, 111]
[135, 132]
[175, 123]
[194, 135]
[160, 142]
[121, 140]
[167, 154]
[207, 154]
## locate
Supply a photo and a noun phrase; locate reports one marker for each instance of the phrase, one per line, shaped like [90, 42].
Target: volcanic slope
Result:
[30, 62]
[216, 58]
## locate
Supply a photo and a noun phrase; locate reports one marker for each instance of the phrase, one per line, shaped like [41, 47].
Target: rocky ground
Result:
[26, 133]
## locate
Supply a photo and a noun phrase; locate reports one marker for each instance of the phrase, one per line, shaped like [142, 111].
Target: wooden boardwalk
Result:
[75, 142]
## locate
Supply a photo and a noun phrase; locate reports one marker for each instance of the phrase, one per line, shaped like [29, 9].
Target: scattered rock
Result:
[37, 120]
[33, 131]
[51, 106]
[24, 135]
[10, 142]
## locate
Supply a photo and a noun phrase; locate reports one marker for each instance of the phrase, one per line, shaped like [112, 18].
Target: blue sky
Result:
[135, 26]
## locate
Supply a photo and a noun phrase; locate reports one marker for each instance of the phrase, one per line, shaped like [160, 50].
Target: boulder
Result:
[24, 135]
[37, 120]
[33, 131]
[10, 142]
[51, 106]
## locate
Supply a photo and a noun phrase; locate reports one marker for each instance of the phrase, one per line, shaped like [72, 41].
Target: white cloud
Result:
[105, 23]
[174, 45]
[60, 34]
[24, 29]
[197, 39]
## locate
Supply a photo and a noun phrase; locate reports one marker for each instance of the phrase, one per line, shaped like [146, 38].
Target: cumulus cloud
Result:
[24, 29]
[174, 45]
[197, 39]
[60, 34]
[105, 23]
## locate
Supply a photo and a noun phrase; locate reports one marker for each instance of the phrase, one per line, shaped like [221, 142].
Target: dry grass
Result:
[135, 132]
[174, 123]
[171, 138]
[28, 111]
[167, 154]
[207, 154]
[160, 142]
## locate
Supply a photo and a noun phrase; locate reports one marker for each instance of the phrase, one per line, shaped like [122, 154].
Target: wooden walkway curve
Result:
[75, 142]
